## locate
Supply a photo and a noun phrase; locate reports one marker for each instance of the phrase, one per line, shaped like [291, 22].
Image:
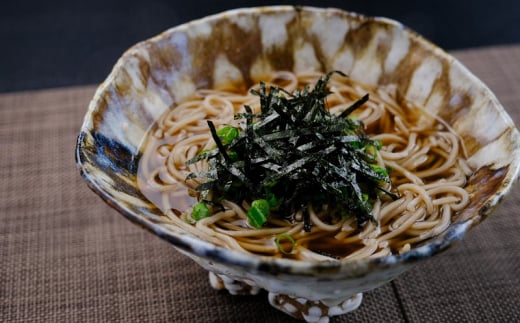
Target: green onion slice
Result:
[280, 239]
[258, 213]
[200, 211]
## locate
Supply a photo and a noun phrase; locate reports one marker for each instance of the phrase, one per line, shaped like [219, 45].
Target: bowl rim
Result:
[276, 266]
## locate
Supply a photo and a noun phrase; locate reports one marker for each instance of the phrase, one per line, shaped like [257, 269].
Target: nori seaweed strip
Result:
[220, 146]
[283, 114]
[206, 185]
[202, 155]
[307, 225]
[266, 120]
[303, 131]
[354, 106]
[369, 172]
[248, 139]
[387, 192]
[272, 153]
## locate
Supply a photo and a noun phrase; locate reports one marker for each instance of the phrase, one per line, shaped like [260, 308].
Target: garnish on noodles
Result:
[292, 155]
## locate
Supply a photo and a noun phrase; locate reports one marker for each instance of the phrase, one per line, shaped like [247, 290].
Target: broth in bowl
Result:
[413, 160]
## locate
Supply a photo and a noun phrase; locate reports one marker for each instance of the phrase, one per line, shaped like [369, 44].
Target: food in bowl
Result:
[420, 87]
[321, 167]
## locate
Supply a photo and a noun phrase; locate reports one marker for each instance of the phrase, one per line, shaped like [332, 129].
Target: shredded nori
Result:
[296, 153]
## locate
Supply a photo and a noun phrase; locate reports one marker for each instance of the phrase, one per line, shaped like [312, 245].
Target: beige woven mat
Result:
[67, 257]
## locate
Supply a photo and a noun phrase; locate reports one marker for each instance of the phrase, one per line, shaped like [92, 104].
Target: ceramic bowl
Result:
[237, 46]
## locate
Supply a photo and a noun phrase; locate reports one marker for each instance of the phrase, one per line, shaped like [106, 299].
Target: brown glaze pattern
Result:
[239, 47]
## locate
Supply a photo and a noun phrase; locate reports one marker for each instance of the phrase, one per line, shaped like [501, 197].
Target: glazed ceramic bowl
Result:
[240, 45]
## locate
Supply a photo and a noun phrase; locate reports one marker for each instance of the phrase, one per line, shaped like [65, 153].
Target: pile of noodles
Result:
[425, 156]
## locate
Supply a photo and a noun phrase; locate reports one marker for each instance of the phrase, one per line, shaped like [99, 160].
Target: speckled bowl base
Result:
[314, 311]
[297, 307]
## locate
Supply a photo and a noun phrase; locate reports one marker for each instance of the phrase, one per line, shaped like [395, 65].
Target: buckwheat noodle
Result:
[425, 155]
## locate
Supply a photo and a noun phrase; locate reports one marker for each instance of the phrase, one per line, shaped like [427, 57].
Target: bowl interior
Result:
[238, 47]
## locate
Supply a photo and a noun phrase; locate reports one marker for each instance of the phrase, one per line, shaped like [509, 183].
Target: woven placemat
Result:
[67, 257]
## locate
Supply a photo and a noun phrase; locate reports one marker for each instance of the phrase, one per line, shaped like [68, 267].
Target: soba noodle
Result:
[426, 158]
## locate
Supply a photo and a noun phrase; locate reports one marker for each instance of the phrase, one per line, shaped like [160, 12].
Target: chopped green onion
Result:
[233, 156]
[272, 200]
[371, 150]
[378, 144]
[227, 134]
[282, 238]
[203, 151]
[200, 211]
[258, 213]
[380, 170]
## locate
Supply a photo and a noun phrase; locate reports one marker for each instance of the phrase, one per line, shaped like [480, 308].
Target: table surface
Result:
[68, 257]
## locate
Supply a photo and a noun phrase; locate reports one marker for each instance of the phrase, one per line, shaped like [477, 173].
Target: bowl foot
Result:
[234, 287]
[297, 307]
[314, 311]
